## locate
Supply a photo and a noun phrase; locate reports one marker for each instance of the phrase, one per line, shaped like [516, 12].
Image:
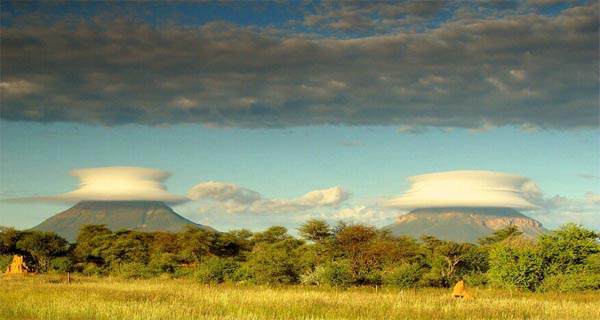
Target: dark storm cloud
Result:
[529, 71]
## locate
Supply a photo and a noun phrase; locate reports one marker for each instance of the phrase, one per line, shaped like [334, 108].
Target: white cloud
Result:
[184, 103]
[366, 214]
[235, 199]
[518, 74]
[557, 210]
[18, 88]
[466, 189]
[117, 184]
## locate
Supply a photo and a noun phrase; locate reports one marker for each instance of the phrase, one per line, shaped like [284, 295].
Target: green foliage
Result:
[271, 235]
[315, 230]
[403, 276]
[90, 269]
[163, 263]
[132, 270]
[516, 265]
[215, 270]
[572, 282]
[243, 274]
[42, 247]
[5, 260]
[8, 240]
[566, 250]
[335, 274]
[501, 235]
[90, 242]
[275, 263]
[592, 263]
[61, 264]
[341, 256]
[450, 261]
[194, 243]
[312, 277]
[476, 279]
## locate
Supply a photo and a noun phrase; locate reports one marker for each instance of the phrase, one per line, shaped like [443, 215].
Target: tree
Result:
[233, 243]
[89, 241]
[8, 240]
[275, 263]
[127, 247]
[315, 230]
[354, 241]
[194, 243]
[450, 261]
[501, 235]
[516, 264]
[271, 235]
[42, 246]
[567, 249]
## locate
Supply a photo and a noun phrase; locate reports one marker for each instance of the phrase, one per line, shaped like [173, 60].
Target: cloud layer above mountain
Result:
[380, 64]
[235, 199]
[467, 189]
[117, 184]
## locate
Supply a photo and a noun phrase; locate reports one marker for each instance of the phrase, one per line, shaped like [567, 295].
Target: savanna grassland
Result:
[49, 297]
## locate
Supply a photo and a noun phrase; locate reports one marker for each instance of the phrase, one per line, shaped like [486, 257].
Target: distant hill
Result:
[116, 215]
[462, 224]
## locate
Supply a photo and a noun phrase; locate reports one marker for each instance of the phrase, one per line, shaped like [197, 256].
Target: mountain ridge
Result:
[462, 224]
[132, 215]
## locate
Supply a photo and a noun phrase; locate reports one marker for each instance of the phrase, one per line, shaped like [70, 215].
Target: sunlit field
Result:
[48, 297]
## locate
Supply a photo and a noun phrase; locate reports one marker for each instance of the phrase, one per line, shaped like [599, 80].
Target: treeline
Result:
[343, 255]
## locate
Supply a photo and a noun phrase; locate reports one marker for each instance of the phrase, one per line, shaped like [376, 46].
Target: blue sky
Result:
[284, 99]
[370, 162]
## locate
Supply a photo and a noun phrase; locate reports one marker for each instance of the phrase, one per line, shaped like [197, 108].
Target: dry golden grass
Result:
[45, 297]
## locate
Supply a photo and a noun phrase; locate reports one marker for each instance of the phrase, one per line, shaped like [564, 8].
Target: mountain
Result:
[462, 224]
[133, 215]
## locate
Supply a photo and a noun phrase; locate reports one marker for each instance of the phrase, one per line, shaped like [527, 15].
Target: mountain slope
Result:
[462, 224]
[134, 215]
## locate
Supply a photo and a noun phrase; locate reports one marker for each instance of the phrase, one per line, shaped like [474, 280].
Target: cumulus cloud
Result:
[523, 69]
[365, 214]
[235, 199]
[17, 88]
[467, 189]
[556, 210]
[117, 184]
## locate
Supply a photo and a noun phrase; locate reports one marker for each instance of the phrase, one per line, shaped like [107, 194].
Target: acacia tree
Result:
[8, 240]
[567, 249]
[315, 230]
[42, 246]
[275, 262]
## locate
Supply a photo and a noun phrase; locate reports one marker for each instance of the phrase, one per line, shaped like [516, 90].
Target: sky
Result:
[271, 113]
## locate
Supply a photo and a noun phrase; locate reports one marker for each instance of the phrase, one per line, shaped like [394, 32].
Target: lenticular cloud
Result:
[119, 184]
[465, 189]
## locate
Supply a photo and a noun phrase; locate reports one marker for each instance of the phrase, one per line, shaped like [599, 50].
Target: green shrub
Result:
[312, 277]
[132, 270]
[275, 263]
[62, 265]
[592, 263]
[476, 279]
[90, 269]
[5, 260]
[372, 277]
[243, 274]
[403, 276]
[336, 274]
[183, 272]
[163, 263]
[516, 267]
[572, 282]
[215, 270]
